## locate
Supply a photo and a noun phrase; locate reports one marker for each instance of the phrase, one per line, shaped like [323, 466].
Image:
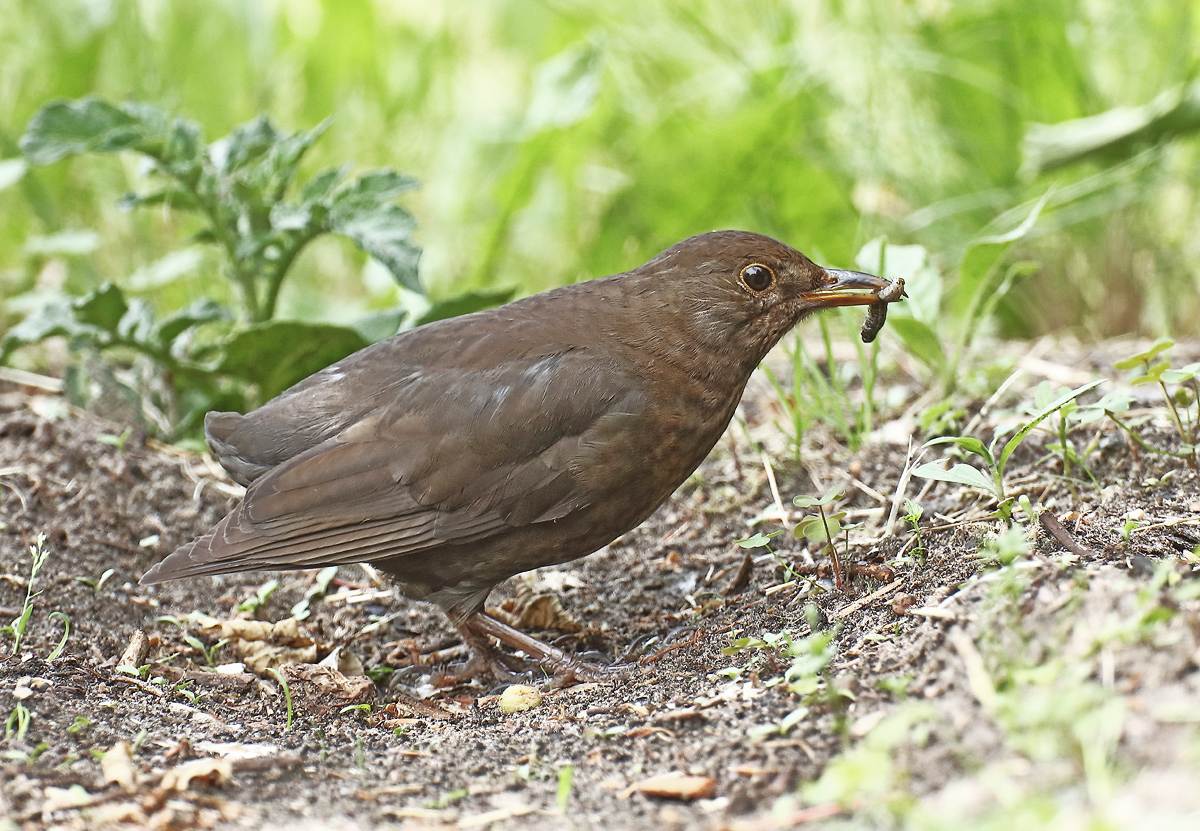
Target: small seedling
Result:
[209, 653]
[1181, 401]
[261, 596]
[320, 587]
[62, 643]
[761, 540]
[1127, 528]
[824, 529]
[78, 725]
[912, 515]
[16, 629]
[116, 441]
[1007, 547]
[566, 780]
[17, 723]
[287, 698]
[96, 583]
[1061, 425]
[992, 484]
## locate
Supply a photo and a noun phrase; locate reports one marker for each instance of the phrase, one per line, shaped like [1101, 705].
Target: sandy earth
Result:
[955, 691]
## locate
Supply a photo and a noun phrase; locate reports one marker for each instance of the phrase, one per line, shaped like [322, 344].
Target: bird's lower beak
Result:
[846, 288]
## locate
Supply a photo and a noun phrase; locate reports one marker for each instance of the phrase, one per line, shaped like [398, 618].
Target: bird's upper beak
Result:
[846, 288]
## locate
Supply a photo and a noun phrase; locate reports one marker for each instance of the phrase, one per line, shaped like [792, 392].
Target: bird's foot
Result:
[564, 668]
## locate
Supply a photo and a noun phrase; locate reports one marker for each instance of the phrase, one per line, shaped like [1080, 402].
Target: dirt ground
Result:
[960, 689]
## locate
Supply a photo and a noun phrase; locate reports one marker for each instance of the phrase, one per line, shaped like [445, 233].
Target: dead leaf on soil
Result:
[318, 686]
[674, 785]
[260, 644]
[117, 766]
[211, 772]
[530, 610]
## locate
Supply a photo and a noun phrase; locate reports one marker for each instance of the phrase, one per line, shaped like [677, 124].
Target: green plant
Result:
[97, 583]
[261, 596]
[287, 698]
[208, 652]
[993, 482]
[1065, 418]
[761, 540]
[912, 515]
[1183, 402]
[17, 723]
[566, 780]
[807, 675]
[240, 188]
[16, 630]
[824, 529]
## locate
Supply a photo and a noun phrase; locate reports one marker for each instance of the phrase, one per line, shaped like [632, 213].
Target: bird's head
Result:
[745, 291]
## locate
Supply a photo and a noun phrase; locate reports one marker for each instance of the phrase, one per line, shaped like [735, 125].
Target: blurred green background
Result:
[560, 140]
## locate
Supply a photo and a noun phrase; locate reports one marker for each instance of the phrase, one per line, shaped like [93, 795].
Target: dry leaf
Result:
[675, 785]
[211, 772]
[117, 765]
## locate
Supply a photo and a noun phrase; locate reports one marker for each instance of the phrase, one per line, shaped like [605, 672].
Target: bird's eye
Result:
[757, 277]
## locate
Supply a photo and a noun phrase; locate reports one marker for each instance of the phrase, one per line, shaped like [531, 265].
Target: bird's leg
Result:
[485, 661]
[565, 667]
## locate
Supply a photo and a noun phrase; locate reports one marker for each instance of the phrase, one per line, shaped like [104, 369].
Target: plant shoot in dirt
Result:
[16, 630]
[209, 652]
[821, 391]
[993, 483]
[761, 540]
[824, 529]
[1061, 425]
[96, 583]
[807, 675]
[287, 696]
[1182, 398]
[912, 515]
[261, 596]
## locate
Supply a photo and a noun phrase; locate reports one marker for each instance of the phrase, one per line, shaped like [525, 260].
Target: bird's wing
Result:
[462, 455]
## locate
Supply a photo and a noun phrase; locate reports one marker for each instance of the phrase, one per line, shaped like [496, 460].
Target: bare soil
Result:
[913, 631]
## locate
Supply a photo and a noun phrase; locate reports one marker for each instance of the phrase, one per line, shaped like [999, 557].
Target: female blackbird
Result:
[457, 454]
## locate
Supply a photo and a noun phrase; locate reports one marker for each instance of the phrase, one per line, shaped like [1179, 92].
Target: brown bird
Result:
[457, 454]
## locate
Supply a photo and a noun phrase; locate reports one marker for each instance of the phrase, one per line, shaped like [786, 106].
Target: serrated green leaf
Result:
[50, 320]
[244, 144]
[380, 185]
[278, 353]
[322, 184]
[67, 128]
[202, 311]
[384, 232]
[959, 474]
[103, 308]
[137, 324]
